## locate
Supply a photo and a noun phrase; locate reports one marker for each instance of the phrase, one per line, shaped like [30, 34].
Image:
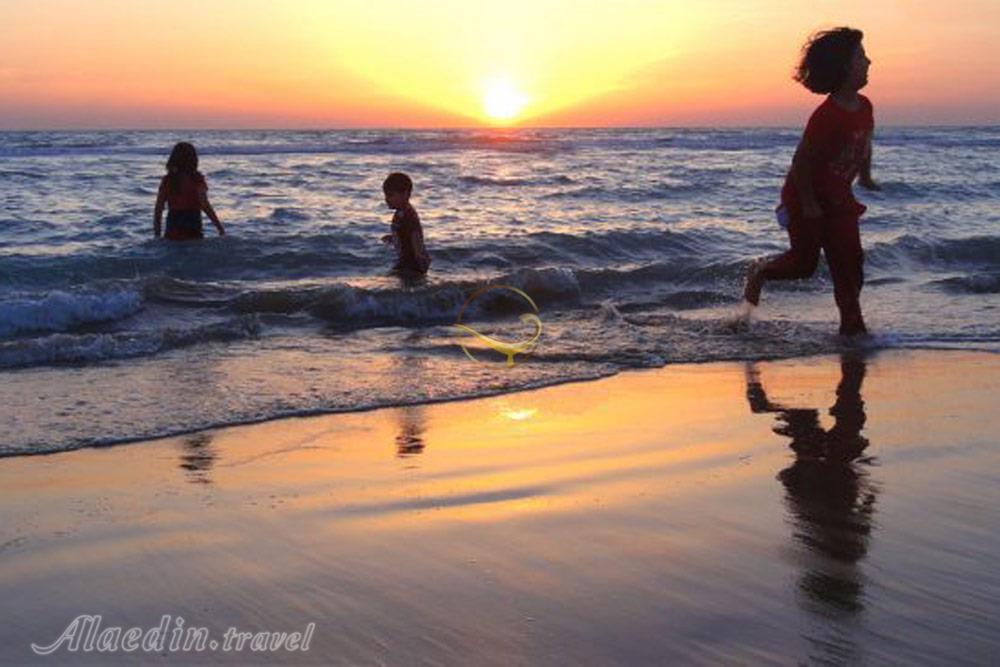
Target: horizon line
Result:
[455, 128]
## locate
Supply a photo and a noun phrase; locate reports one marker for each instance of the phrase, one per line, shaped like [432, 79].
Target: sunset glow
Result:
[502, 101]
[390, 63]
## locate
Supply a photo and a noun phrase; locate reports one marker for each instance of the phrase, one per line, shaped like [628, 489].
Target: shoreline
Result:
[310, 414]
[783, 511]
[539, 385]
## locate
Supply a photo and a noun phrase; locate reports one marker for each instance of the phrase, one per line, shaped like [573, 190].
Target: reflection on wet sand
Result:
[631, 520]
[198, 457]
[411, 420]
[412, 424]
[829, 496]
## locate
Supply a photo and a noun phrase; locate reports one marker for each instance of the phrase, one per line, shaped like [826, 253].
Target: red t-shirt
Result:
[841, 141]
[186, 196]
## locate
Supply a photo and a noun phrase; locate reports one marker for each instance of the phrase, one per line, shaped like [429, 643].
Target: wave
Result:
[515, 182]
[680, 270]
[284, 255]
[351, 306]
[345, 306]
[289, 256]
[973, 250]
[604, 248]
[663, 190]
[177, 292]
[938, 191]
[677, 272]
[735, 139]
[941, 137]
[685, 255]
[73, 349]
[285, 214]
[20, 173]
[61, 311]
[976, 283]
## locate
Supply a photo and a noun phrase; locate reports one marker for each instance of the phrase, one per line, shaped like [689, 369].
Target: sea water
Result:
[632, 243]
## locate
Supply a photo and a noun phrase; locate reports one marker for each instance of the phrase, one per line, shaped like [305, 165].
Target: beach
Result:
[828, 509]
[523, 333]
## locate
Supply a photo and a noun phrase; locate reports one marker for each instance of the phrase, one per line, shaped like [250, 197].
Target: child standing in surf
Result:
[412, 259]
[817, 200]
[185, 193]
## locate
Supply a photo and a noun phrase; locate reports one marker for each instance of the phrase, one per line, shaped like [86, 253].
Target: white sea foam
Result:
[93, 347]
[61, 310]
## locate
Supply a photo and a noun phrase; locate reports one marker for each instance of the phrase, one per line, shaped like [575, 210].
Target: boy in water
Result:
[817, 198]
[407, 235]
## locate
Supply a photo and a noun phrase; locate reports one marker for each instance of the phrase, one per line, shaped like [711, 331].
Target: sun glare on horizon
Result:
[502, 101]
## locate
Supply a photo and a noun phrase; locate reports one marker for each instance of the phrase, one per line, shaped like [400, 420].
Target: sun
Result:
[502, 101]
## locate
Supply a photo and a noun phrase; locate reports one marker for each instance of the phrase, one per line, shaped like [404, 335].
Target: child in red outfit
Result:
[185, 194]
[817, 197]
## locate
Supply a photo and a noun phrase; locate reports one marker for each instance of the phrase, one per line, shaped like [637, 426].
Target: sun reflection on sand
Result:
[520, 415]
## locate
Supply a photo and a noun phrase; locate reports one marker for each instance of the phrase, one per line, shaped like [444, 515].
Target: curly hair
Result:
[826, 59]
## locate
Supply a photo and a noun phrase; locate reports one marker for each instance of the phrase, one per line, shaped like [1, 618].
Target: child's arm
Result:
[802, 171]
[209, 211]
[865, 177]
[161, 199]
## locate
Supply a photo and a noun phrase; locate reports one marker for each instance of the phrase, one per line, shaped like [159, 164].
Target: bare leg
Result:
[798, 262]
[842, 247]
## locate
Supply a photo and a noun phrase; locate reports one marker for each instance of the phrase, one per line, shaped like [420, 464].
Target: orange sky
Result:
[403, 63]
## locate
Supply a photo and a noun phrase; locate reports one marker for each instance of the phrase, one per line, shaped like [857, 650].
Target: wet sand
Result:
[821, 510]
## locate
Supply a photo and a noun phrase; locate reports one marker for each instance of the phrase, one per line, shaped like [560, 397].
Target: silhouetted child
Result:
[185, 194]
[407, 235]
[817, 201]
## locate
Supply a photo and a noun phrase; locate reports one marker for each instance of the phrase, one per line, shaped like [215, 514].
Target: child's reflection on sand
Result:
[828, 493]
[412, 424]
[198, 457]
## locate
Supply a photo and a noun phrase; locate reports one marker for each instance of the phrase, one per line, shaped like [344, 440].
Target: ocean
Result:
[632, 243]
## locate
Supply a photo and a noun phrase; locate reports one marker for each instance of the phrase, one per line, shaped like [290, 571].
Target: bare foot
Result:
[754, 281]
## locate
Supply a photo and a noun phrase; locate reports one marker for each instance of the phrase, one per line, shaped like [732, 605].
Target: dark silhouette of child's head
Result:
[183, 159]
[827, 59]
[183, 162]
[397, 182]
[397, 188]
